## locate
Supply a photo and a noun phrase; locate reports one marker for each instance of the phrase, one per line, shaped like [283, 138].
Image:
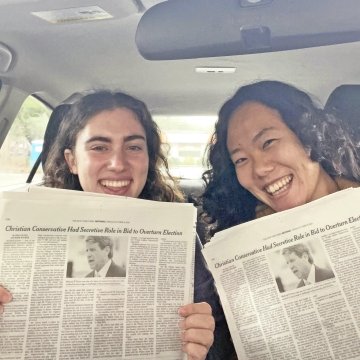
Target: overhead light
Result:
[215, 70]
[246, 3]
[73, 15]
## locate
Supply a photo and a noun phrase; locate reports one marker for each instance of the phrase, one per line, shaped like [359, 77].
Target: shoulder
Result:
[344, 183]
[262, 210]
[115, 271]
[323, 274]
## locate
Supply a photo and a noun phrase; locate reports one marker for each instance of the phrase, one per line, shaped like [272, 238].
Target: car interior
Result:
[182, 58]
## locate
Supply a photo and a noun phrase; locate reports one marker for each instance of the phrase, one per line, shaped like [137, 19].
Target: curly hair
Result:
[52, 129]
[225, 202]
[159, 184]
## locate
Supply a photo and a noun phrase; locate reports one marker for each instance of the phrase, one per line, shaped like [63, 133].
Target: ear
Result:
[71, 161]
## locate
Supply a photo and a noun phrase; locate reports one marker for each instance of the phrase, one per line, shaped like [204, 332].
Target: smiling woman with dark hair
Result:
[57, 171]
[273, 149]
[108, 143]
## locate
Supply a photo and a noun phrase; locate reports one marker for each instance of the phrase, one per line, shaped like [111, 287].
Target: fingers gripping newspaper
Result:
[290, 282]
[64, 306]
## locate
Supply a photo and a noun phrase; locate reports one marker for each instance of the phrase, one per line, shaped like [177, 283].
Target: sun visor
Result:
[185, 29]
[5, 58]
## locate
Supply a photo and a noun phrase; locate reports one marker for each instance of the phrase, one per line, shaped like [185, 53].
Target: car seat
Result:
[51, 131]
[344, 102]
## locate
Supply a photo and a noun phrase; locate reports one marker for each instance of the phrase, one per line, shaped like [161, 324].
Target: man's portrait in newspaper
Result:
[102, 257]
[300, 265]
[300, 261]
[99, 252]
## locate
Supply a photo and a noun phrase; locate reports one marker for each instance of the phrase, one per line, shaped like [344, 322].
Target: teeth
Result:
[115, 183]
[271, 189]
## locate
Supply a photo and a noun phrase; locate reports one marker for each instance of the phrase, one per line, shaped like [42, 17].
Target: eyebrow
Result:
[261, 133]
[134, 137]
[108, 140]
[255, 138]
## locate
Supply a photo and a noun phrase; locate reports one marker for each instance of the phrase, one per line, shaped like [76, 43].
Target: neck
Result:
[327, 185]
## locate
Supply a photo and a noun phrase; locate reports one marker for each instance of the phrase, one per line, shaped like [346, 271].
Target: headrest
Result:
[344, 102]
[54, 122]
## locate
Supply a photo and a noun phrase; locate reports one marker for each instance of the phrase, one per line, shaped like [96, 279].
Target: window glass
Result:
[186, 139]
[23, 143]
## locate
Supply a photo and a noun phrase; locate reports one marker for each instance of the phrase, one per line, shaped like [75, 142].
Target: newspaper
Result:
[273, 312]
[60, 310]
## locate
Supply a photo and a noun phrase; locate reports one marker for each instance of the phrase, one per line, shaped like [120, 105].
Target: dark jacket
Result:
[205, 290]
[114, 271]
[320, 275]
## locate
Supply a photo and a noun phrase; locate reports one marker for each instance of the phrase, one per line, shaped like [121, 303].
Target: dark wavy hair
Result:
[225, 202]
[159, 184]
[52, 130]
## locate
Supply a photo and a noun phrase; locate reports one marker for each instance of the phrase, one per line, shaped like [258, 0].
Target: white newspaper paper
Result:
[60, 310]
[272, 313]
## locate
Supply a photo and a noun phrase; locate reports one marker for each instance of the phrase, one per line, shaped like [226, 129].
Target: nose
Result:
[117, 161]
[262, 165]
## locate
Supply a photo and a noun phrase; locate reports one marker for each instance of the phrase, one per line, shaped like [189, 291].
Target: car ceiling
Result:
[54, 60]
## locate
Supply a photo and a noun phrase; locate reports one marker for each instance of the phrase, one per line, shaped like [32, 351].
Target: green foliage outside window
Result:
[18, 150]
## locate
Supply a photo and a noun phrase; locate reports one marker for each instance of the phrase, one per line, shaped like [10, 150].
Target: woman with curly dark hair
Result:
[156, 174]
[108, 143]
[273, 149]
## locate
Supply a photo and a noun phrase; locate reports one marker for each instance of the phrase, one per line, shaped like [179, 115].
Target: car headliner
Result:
[54, 60]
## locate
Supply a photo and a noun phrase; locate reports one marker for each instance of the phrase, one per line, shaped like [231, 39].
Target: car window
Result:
[23, 143]
[185, 140]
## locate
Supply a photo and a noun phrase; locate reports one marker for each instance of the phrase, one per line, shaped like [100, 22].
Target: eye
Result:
[99, 148]
[267, 143]
[136, 147]
[240, 161]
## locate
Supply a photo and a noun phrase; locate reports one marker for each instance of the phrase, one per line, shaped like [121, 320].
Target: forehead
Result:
[92, 245]
[291, 255]
[252, 116]
[116, 122]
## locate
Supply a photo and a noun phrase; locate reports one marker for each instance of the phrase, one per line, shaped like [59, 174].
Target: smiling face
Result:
[270, 161]
[110, 154]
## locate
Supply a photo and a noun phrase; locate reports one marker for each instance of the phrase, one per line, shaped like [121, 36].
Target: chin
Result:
[287, 205]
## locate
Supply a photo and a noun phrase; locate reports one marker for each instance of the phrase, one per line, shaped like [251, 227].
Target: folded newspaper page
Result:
[93, 277]
[290, 282]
